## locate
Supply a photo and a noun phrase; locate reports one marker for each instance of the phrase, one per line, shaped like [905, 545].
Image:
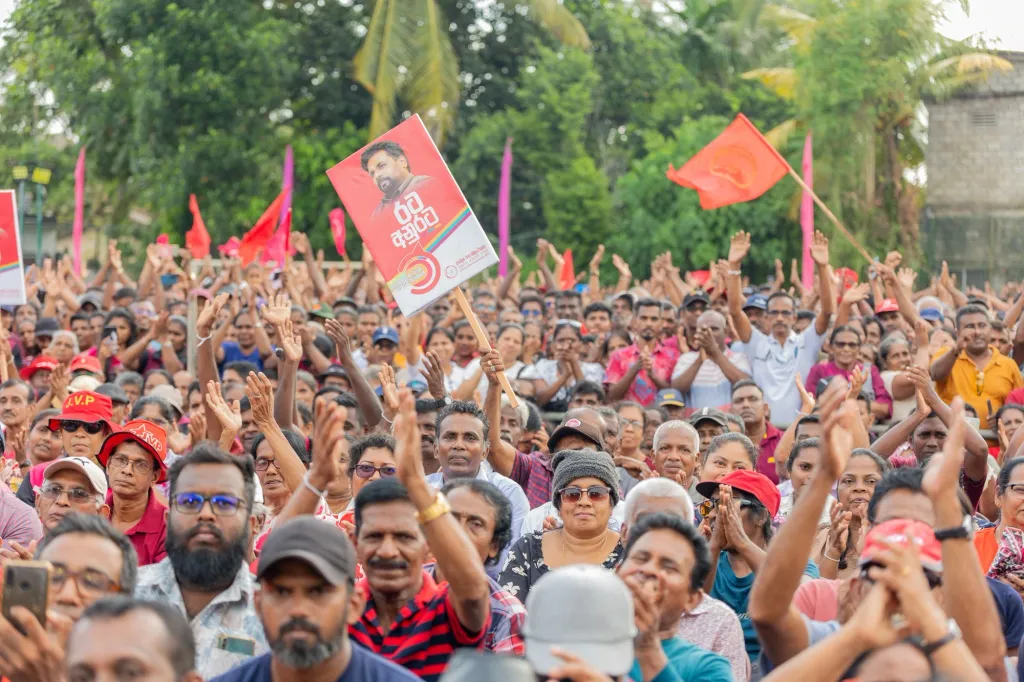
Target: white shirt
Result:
[774, 367]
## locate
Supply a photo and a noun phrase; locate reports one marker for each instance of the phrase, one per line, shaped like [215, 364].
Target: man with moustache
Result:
[426, 420]
[307, 601]
[209, 526]
[639, 371]
[462, 445]
[15, 397]
[704, 376]
[71, 484]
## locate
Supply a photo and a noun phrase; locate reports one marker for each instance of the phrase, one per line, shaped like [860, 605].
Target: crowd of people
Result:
[699, 478]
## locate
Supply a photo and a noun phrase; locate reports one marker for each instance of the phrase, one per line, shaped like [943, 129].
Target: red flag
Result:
[738, 165]
[255, 240]
[229, 249]
[337, 218]
[197, 240]
[567, 275]
[277, 247]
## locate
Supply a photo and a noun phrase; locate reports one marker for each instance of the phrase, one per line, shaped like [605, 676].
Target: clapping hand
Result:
[229, 416]
[434, 374]
[407, 440]
[328, 439]
[290, 342]
[739, 247]
[389, 389]
[261, 396]
[342, 343]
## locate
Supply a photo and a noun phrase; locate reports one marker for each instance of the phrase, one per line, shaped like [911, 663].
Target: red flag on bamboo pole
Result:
[256, 239]
[197, 239]
[738, 165]
[567, 274]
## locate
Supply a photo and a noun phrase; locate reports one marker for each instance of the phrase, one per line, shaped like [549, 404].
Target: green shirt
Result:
[687, 663]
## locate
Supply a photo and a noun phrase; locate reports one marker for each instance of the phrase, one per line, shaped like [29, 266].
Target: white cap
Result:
[585, 610]
[97, 478]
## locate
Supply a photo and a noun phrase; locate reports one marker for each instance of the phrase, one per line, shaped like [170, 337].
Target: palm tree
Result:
[407, 52]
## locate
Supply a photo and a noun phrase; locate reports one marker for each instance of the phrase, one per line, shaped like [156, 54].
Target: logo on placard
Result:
[422, 272]
[451, 272]
[735, 164]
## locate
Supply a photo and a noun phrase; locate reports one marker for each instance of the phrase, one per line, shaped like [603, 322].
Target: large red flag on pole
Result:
[197, 239]
[79, 223]
[277, 248]
[256, 239]
[738, 165]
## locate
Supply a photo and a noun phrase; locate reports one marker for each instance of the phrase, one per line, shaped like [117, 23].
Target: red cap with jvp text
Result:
[151, 437]
[751, 482]
[85, 406]
[903, 532]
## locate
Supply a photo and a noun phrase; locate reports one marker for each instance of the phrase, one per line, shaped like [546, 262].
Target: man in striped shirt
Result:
[409, 618]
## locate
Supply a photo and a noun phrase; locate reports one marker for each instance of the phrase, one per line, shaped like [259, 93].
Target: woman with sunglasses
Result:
[555, 378]
[586, 489]
[370, 458]
[844, 354]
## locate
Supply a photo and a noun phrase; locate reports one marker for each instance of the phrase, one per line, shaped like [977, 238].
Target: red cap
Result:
[85, 406]
[758, 485]
[887, 305]
[151, 437]
[86, 363]
[904, 532]
[41, 362]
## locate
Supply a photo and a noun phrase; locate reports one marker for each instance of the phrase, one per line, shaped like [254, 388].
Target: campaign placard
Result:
[412, 215]
[12, 268]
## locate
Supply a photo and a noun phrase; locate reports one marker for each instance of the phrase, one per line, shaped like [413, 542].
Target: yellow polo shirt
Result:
[985, 391]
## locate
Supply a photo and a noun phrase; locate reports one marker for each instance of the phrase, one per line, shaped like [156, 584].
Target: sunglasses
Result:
[595, 493]
[69, 426]
[531, 313]
[368, 470]
[706, 506]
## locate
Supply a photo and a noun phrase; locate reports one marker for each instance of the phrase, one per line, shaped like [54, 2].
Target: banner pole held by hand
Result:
[835, 221]
[485, 345]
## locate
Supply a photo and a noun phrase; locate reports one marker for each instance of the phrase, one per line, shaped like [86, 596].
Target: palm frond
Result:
[433, 85]
[973, 62]
[780, 134]
[796, 24]
[779, 79]
[562, 23]
[386, 50]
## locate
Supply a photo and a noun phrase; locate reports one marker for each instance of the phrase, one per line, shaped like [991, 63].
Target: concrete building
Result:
[974, 216]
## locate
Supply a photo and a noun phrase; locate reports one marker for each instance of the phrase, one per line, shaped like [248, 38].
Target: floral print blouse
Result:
[525, 564]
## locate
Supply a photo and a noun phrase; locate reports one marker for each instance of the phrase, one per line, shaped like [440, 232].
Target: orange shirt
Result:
[985, 391]
[986, 545]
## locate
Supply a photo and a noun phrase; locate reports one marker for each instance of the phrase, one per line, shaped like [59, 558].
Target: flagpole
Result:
[485, 344]
[835, 221]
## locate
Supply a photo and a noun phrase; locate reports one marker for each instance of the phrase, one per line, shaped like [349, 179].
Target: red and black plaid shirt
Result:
[423, 636]
[533, 473]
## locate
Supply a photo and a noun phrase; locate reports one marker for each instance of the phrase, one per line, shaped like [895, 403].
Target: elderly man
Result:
[706, 375]
[90, 561]
[204, 575]
[72, 484]
[707, 622]
[15, 400]
[134, 459]
[676, 452]
[409, 618]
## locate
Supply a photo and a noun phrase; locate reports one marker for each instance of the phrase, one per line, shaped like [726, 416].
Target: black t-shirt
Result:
[364, 666]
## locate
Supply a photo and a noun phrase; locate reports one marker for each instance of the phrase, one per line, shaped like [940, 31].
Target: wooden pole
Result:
[835, 221]
[485, 344]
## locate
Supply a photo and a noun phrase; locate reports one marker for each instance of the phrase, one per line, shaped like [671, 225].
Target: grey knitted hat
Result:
[572, 464]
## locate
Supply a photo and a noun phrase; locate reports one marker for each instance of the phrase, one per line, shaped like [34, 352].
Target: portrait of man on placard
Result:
[389, 168]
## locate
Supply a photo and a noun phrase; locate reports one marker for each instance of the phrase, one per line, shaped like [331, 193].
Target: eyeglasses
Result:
[846, 344]
[71, 426]
[52, 491]
[368, 470]
[89, 580]
[1016, 488]
[264, 464]
[631, 422]
[193, 503]
[595, 493]
[707, 506]
[532, 313]
[486, 308]
[122, 462]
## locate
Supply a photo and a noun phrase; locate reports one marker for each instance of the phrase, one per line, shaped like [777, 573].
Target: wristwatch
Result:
[440, 403]
[954, 633]
[962, 532]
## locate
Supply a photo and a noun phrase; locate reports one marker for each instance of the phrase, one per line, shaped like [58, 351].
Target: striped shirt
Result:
[533, 472]
[425, 632]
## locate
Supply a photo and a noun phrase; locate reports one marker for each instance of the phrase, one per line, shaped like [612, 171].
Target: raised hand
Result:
[819, 249]
[780, 275]
[229, 416]
[407, 439]
[595, 262]
[942, 475]
[739, 247]
[389, 390]
[907, 277]
[542, 252]
[341, 341]
[328, 439]
[807, 402]
[893, 259]
[301, 243]
[261, 395]
[277, 310]
[856, 293]
[517, 265]
[840, 416]
[838, 531]
[491, 364]
[59, 381]
[434, 374]
[622, 266]
[197, 428]
[290, 342]
[209, 314]
[858, 377]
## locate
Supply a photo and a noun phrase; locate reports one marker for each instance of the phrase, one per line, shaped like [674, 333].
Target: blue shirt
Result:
[233, 353]
[736, 593]
[1011, 611]
[688, 662]
[364, 666]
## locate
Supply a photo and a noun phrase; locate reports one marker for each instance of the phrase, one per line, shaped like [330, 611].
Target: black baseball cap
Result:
[576, 427]
[709, 414]
[697, 296]
[323, 546]
[334, 371]
[114, 392]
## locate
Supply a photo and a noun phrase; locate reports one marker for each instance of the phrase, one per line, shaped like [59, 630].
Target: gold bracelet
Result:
[438, 508]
